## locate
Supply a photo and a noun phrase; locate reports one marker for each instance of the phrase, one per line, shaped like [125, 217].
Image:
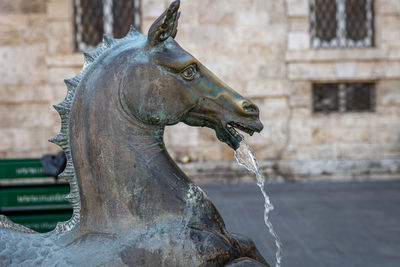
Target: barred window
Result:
[341, 23]
[343, 97]
[94, 18]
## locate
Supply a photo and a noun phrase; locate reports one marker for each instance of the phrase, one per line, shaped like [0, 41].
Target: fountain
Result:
[132, 205]
[245, 157]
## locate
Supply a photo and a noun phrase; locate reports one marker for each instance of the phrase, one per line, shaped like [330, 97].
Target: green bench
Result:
[30, 197]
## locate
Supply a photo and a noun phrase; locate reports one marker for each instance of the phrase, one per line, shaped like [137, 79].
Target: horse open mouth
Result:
[227, 132]
[232, 137]
[232, 126]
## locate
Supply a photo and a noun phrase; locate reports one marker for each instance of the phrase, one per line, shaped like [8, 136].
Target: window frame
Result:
[108, 20]
[342, 93]
[341, 40]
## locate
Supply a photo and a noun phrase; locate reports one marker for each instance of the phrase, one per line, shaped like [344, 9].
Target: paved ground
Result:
[320, 224]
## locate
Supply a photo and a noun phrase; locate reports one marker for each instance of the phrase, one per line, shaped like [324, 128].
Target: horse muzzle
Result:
[241, 115]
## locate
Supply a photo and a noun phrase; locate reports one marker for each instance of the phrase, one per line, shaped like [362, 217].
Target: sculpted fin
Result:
[71, 83]
[62, 139]
[6, 223]
[132, 32]
[107, 40]
[87, 60]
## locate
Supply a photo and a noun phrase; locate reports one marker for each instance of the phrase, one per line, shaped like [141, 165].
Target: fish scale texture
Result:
[26, 249]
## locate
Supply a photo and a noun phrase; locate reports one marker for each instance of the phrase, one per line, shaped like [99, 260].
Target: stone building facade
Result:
[263, 49]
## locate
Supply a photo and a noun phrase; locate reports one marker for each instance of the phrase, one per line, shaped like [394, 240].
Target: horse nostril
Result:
[250, 108]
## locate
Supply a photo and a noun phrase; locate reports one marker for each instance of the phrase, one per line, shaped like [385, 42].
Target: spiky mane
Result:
[62, 139]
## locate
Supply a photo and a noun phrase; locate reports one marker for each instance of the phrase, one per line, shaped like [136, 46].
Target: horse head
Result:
[172, 86]
[131, 203]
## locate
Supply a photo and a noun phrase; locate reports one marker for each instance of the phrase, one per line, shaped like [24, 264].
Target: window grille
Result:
[343, 97]
[341, 23]
[94, 18]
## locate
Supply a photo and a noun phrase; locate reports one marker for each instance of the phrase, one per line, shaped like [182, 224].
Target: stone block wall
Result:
[344, 135]
[36, 54]
[260, 48]
[25, 111]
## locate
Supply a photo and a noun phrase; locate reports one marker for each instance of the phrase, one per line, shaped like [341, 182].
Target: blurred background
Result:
[324, 73]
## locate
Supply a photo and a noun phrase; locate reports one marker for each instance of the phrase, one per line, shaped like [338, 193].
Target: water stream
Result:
[245, 157]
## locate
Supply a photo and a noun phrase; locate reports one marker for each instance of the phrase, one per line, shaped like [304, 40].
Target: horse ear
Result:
[165, 26]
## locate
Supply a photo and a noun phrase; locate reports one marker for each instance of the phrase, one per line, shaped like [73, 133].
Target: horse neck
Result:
[125, 175]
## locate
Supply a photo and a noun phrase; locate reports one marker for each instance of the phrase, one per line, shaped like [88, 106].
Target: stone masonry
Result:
[260, 48]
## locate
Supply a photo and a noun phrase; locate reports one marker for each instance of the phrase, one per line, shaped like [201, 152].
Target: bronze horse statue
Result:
[132, 205]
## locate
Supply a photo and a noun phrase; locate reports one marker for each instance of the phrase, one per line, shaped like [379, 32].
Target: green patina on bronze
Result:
[132, 204]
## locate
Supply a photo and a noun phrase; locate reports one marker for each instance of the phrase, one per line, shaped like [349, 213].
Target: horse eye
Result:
[189, 72]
